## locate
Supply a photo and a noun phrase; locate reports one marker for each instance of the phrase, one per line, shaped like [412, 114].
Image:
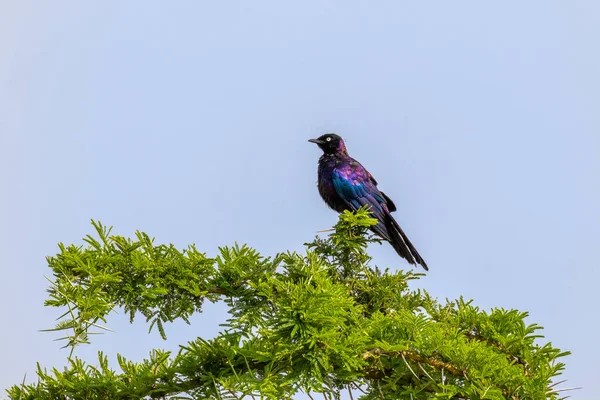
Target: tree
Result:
[321, 322]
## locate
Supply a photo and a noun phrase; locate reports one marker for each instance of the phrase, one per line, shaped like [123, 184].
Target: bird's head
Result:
[330, 143]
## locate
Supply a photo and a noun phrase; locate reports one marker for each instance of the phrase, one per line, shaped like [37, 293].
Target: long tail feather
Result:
[401, 244]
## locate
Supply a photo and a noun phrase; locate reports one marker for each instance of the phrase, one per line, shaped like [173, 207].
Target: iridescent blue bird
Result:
[345, 184]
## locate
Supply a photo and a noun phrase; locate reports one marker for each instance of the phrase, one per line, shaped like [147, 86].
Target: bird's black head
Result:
[330, 143]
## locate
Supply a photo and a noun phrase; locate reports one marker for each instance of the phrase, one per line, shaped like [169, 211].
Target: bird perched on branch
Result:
[345, 184]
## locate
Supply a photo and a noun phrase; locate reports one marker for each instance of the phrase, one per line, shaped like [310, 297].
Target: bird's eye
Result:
[328, 139]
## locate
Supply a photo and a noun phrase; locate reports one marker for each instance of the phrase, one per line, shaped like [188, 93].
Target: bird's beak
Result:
[317, 141]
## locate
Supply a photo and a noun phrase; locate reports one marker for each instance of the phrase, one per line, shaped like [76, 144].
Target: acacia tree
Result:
[323, 322]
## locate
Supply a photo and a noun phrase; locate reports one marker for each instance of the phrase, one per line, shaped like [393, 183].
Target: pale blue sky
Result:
[189, 120]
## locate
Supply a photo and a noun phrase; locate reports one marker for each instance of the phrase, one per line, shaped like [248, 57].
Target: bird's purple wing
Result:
[355, 186]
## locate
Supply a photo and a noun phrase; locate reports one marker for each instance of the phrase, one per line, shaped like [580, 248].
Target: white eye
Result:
[328, 139]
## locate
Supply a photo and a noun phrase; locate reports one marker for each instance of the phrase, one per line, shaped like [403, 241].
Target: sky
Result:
[189, 120]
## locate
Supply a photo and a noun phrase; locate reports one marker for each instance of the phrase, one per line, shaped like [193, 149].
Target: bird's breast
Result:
[326, 187]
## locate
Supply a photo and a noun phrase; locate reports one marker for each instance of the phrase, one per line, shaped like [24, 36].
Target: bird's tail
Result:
[401, 244]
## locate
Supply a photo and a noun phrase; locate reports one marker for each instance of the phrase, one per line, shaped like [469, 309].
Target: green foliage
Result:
[320, 322]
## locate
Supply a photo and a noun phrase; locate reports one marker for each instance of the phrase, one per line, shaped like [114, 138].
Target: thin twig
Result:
[359, 388]
[426, 373]
[409, 367]
[564, 390]
[557, 383]
[23, 386]
[98, 326]
[380, 391]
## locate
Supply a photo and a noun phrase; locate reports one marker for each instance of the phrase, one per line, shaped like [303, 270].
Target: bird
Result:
[344, 184]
